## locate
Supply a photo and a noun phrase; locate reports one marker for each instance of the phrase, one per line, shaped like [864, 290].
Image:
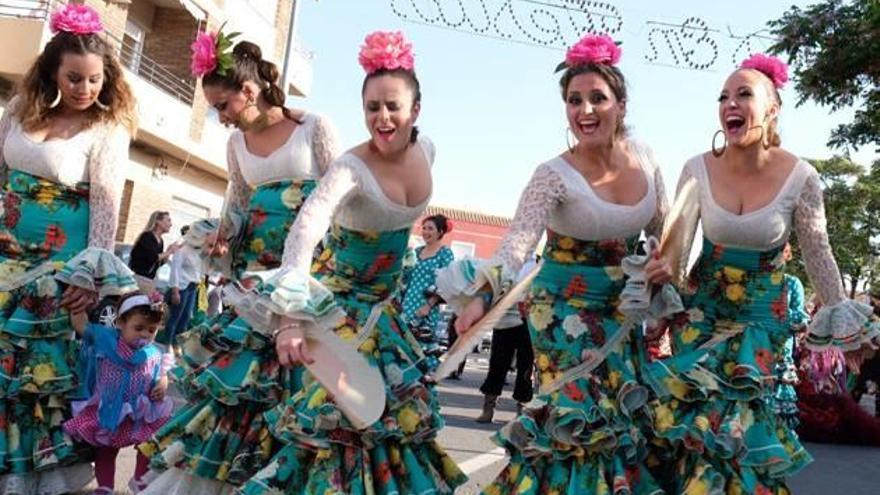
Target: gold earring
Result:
[715, 150]
[102, 107]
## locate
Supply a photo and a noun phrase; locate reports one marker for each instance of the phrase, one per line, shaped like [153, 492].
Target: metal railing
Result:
[146, 68]
[25, 9]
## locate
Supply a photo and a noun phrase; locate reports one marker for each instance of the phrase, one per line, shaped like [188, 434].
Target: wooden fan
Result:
[460, 349]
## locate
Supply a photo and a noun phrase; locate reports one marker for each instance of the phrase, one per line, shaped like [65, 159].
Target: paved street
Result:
[837, 469]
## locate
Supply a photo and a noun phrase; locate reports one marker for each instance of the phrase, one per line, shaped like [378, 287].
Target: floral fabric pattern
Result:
[714, 420]
[585, 437]
[230, 373]
[399, 452]
[42, 225]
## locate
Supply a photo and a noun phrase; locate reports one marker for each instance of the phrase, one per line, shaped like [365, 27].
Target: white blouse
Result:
[98, 155]
[306, 154]
[558, 197]
[798, 205]
[350, 196]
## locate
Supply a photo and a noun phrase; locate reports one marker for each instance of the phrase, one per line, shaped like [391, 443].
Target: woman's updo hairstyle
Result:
[248, 65]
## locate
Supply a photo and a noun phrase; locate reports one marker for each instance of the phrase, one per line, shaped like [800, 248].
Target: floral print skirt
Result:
[714, 421]
[584, 435]
[42, 225]
[229, 372]
[397, 454]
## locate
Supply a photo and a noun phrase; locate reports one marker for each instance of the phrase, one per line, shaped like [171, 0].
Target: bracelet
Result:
[290, 326]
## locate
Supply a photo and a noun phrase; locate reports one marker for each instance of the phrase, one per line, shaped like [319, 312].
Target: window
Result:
[132, 46]
[184, 212]
[463, 249]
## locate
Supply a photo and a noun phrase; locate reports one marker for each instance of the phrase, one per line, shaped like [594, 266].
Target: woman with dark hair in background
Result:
[230, 373]
[63, 151]
[148, 252]
[420, 303]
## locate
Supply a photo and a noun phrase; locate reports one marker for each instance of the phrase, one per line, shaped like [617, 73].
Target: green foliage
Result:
[852, 208]
[834, 49]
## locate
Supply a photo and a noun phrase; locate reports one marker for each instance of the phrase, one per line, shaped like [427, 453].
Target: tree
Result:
[852, 208]
[834, 49]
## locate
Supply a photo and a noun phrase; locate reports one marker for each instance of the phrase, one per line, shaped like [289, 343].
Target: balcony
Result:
[298, 73]
[164, 93]
[22, 26]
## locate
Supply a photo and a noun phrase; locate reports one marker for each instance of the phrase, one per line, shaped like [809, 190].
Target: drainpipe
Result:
[291, 33]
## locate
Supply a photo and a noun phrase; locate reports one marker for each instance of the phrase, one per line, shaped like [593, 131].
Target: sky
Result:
[493, 108]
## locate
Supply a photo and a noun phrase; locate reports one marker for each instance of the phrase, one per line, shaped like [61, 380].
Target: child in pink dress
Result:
[124, 377]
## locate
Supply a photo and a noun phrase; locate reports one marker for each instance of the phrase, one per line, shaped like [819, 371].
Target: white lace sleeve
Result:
[655, 226]
[810, 226]
[325, 143]
[238, 192]
[316, 214]
[544, 191]
[107, 164]
[840, 322]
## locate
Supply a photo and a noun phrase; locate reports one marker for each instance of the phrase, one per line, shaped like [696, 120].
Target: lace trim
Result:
[325, 143]
[316, 214]
[544, 192]
[107, 165]
[811, 228]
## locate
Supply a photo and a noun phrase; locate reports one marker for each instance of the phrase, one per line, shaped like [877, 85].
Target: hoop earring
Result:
[715, 150]
[568, 141]
[57, 100]
[101, 106]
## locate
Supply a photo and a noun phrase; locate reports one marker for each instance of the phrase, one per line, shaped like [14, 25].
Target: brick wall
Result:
[113, 14]
[173, 31]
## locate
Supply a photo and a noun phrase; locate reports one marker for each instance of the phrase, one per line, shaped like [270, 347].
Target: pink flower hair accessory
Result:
[770, 66]
[387, 50]
[591, 49]
[76, 19]
[211, 53]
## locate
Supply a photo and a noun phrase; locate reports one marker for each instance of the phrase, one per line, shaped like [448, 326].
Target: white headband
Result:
[135, 301]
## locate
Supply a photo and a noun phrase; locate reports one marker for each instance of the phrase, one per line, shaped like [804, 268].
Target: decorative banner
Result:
[557, 24]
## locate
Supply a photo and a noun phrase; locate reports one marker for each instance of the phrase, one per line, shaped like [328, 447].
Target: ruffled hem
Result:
[287, 294]
[178, 481]
[100, 271]
[848, 325]
[388, 469]
[557, 434]
[135, 425]
[573, 476]
[213, 441]
[68, 479]
[459, 282]
[225, 359]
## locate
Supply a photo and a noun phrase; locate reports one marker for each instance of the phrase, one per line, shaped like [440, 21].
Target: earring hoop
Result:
[101, 106]
[568, 141]
[715, 151]
[765, 143]
[57, 100]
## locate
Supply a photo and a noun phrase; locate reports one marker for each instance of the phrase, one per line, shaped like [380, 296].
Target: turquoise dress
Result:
[420, 278]
[785, 398]
[584, 430]
[715, 420]
[229, 372]
[361, 266]
[46, 230]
